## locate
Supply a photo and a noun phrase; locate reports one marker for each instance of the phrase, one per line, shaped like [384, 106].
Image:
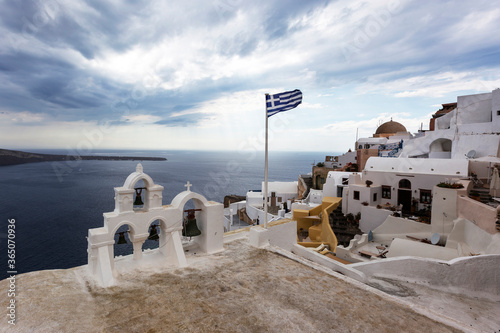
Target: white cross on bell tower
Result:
[188, 185]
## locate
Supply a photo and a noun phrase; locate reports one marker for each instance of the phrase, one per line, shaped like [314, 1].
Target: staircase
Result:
[484, 195]
[343, 229]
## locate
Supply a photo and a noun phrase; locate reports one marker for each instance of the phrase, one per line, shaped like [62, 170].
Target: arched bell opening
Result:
[123, 246]
[153, 240]
[191, 213]
[140, 195]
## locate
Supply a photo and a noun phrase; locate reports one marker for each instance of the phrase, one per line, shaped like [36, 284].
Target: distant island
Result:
[13, 157]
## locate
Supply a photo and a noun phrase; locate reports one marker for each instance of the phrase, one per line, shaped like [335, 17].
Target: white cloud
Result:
[23, 117]
[213, 64]
[433, 85]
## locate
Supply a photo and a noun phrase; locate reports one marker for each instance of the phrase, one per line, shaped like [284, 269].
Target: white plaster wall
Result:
[397, 227]
[255, 199]
[466, 236]
[345, 200]
[472, 276]
[354, 206]
[418, 181]
[480, 214]
[440, 154]
[281, 187]
[329, 263]
[405, 247]
[348, 157]
[371, 141]
[371, 218]
[235, 206]
[421, 146]
[333, 180]
[445, 121]
[255, 213]
[474, 108]
[283, 235]
[298, 205]
[346, 253]
[444, 209]
[365, 195]
[330, 187]
[315, 196]
[416, 166]
[483, 144]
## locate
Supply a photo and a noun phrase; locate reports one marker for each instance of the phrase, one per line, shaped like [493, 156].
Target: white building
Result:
[335, 183]
[278, 193]
[399, 181]
[469, 131]
[473, 125]
[338, 162]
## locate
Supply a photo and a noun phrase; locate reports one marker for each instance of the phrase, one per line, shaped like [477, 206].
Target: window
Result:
[405, 183]
[374, 197]
[345, 181]
[386, 192]
[356, 195]
[425, 196]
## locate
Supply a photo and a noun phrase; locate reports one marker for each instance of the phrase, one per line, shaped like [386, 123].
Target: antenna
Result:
[471, 154]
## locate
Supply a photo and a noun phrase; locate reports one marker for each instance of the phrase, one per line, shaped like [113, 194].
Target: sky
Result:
[192, 74]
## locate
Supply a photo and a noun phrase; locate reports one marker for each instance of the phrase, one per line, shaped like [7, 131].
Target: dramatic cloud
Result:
[194, 73]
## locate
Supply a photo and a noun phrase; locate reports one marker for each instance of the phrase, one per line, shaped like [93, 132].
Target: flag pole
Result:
[265, 172]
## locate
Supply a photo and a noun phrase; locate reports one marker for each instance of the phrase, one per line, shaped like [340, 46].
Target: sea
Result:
[54, 204]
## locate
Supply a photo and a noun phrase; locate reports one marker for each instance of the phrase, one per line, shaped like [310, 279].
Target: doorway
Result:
[404, 194]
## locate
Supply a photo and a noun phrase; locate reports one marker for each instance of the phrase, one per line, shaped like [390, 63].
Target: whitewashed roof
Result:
[372, 140]
[431, 166]
[281, 187]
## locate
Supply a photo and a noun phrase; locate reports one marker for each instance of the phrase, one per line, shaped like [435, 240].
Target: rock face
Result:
[241, 289]
[229, 199]
[12, 157]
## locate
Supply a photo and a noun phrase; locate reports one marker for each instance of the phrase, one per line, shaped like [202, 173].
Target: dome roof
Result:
[390, 127]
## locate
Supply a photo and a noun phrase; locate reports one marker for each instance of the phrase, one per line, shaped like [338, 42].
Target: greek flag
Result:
[283, 101]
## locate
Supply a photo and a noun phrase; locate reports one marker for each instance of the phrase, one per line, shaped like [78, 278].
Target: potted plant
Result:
[450, 185]
[365, 203]
[350, 217]
[368, 183]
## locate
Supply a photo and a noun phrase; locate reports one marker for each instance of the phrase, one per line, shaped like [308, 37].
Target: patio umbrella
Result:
[495, 183]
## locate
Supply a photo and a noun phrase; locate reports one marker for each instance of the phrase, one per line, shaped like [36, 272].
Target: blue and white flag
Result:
[283, 101]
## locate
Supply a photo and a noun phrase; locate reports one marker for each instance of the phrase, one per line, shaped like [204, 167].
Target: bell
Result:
[138, 199]
[121, 238]
[190, 229]
[153, 234]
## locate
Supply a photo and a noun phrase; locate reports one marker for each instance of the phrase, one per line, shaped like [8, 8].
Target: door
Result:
[404, 198]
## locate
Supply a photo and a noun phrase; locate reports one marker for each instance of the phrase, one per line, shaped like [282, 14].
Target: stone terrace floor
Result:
[242, 289]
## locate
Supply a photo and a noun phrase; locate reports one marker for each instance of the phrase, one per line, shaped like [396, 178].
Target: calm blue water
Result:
[54, 205]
